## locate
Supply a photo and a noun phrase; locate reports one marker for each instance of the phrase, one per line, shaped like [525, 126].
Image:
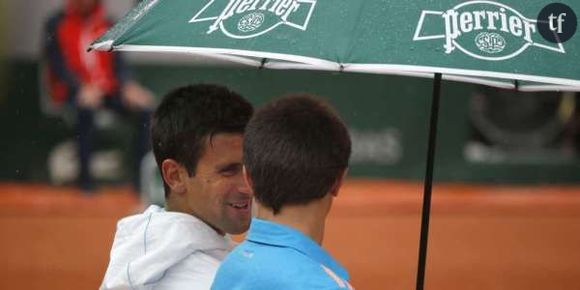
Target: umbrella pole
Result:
[426, 212]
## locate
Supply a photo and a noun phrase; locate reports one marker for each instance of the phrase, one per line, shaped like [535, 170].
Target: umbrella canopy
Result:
[524, 45]
[486, 42]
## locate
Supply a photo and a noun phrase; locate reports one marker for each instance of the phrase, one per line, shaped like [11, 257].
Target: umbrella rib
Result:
[263, 63]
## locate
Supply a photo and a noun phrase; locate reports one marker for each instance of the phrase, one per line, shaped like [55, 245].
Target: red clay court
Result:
[481, 236]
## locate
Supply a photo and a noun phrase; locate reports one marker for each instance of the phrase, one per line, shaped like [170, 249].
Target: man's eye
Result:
[228, 173]
[230, 170]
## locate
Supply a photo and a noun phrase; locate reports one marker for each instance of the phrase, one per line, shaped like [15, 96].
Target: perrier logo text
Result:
[482, 29]
[251, 18]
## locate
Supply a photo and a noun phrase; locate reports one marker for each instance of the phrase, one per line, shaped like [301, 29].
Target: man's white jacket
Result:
[164, 250]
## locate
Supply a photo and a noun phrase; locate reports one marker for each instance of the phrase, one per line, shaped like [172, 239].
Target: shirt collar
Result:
[200, 234]
[271, 233]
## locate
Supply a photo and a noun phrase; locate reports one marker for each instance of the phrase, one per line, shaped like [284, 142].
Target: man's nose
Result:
[243, 186]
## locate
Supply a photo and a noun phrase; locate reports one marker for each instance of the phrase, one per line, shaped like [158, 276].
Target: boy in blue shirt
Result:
[296, 152]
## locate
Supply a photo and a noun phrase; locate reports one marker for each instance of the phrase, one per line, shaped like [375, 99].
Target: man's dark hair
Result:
[187, 116]
[295, 150]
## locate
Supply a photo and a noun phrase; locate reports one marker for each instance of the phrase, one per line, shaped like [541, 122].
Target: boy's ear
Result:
[336, 187]
[173, 174]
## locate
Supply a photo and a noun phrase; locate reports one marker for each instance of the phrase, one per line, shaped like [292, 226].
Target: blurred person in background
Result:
[88, 81]
[197, 135]
[296, 155]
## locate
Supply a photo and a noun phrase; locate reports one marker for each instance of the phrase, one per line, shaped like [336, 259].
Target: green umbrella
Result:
[523, 45]
[484, 42]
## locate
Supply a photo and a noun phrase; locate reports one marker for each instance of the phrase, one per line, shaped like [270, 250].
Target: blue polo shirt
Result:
[277, 257]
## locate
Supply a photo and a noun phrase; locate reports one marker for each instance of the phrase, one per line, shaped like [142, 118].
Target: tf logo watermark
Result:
[557, 23]
[494, 31]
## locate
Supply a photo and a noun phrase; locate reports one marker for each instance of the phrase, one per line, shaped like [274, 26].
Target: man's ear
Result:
[336, 187]
[173, 175]
[247, 179]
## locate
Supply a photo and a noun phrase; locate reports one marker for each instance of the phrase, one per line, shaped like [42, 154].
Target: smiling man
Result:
[197, 135]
